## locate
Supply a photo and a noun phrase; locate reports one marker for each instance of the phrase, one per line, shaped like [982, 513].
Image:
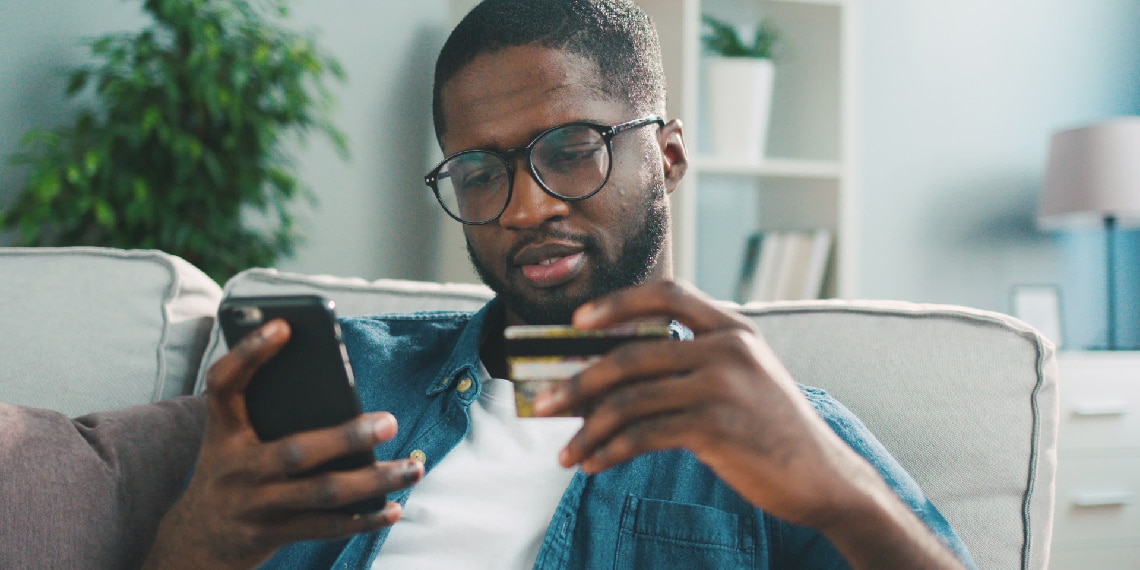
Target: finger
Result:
[320, 525]
[340, 488]
[628, 405]
[651, 434]
[627, 363]
[679, 301]
[228, 377]
[302, 452]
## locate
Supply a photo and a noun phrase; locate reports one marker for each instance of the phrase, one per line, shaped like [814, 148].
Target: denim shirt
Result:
[661, 510]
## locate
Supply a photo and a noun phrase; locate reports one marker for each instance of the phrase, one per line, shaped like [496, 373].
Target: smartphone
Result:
[538, 356]
[309, 384]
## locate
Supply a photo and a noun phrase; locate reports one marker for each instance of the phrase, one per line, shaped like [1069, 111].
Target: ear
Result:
[674, 157]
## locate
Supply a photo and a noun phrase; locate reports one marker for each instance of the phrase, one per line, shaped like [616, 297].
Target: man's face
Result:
[544, 256]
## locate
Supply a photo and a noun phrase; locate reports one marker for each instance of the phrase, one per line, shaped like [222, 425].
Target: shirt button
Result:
[464, 385]
[419, 455]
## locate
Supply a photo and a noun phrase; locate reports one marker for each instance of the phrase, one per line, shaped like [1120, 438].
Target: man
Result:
[702, 453]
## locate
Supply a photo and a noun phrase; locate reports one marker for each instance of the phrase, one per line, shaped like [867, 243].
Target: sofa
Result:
[104, 351]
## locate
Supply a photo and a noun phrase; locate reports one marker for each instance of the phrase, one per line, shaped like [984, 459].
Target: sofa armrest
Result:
[89, 492]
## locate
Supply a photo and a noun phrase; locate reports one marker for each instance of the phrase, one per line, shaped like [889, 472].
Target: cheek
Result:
[482, 241]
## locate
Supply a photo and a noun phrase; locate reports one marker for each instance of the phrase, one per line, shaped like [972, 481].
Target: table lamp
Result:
[1093, 179]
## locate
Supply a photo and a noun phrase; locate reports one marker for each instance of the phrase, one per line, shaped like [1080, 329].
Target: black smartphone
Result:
[308, 384]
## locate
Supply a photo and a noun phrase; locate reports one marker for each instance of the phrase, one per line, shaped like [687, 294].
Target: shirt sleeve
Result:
[802, 547]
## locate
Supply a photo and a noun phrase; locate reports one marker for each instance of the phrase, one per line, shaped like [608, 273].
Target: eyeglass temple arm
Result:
[619, 129]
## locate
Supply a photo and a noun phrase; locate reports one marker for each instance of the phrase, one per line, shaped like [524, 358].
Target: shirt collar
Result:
[464, 358]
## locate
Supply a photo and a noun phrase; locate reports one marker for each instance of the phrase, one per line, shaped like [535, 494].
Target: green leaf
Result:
[74, 174]
[76, 82]
[47, 187]
[140, 190]
[91, 162]
[151, 119]
[104, 214]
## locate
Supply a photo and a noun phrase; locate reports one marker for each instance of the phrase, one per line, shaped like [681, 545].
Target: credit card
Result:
[538, 356]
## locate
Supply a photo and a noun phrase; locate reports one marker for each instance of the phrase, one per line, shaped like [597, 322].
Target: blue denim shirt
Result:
[661, 510]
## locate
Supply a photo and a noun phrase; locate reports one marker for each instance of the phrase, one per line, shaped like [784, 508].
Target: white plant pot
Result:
[739, 99]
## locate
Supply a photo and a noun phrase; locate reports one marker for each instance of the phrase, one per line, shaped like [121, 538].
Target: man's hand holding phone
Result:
[247, 498]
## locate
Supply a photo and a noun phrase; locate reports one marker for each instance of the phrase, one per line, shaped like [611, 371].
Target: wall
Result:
[375, 216]
[957, 102]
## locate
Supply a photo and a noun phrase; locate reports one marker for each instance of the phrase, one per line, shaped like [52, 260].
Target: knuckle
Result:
[215, 376]
[391, 478]
[672, 291]
[355, 436]
[290, 456]
[326, 492]
[624, 357]
[738, 342]
[622, 399]
[622, 446]
[573, 385]
[721, 423]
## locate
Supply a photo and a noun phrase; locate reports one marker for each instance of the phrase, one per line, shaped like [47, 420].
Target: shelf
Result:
[773, 168]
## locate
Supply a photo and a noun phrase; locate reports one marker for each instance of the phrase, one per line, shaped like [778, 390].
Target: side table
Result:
[1097, 517]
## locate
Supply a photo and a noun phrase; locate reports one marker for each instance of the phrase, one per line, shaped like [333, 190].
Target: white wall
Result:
[957, 102]
[376, 218]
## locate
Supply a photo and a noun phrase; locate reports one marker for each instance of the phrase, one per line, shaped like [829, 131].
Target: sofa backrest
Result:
[89, 329]
[352, 296]
[966, 400]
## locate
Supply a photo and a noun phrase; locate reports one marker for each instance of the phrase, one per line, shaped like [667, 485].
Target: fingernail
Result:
[383, 426]
[548, 401]
[587, 311]
[273, 330]
[410, 471]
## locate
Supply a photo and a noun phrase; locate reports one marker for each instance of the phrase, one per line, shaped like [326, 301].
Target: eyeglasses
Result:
[570, 162]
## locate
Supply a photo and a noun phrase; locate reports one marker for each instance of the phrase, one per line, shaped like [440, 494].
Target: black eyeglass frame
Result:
[507, 157]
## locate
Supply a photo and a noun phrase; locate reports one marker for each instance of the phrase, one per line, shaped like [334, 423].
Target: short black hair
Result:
[614, 34]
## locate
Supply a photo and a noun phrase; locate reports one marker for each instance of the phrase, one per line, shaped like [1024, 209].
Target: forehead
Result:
[504, 98]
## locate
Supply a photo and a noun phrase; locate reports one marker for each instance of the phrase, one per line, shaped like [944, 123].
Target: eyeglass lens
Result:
[571, 161]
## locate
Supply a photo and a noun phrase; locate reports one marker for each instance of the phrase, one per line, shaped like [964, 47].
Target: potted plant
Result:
[183, 149]
[739, 79]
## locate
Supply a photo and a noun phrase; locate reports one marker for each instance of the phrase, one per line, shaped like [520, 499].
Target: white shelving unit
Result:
[808, 181]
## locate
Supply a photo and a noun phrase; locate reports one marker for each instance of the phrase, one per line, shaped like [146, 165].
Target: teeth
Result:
[549, 261]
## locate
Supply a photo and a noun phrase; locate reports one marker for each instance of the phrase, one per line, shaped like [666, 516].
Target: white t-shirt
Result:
[489, 502]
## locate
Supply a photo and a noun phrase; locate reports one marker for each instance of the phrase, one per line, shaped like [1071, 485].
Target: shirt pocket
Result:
[664, 534]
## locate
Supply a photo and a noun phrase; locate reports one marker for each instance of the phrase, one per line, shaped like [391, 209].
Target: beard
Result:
[635, 262]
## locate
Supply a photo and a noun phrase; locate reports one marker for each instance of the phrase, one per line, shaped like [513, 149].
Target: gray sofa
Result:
[965, 399]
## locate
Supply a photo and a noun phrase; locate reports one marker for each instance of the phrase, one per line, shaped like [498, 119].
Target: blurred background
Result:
[952, 107]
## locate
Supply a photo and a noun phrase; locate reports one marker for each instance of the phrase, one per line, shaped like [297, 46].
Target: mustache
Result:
[531, 237]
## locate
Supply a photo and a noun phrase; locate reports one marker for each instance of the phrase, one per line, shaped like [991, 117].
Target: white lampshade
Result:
[1093, 173]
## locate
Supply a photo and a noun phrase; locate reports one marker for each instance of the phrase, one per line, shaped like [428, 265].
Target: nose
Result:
[530, 205]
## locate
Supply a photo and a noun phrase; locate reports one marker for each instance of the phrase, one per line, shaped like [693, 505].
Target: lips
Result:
[550, 264]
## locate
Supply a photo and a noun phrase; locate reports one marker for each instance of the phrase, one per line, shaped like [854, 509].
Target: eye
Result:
[481, 178]
[576, 153]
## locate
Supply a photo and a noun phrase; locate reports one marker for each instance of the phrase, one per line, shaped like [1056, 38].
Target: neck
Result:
[493, 350]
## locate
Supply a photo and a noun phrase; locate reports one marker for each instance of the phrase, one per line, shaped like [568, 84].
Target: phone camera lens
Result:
[248, 315]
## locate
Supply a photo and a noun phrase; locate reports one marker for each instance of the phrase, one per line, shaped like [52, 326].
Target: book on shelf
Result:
[784, 265]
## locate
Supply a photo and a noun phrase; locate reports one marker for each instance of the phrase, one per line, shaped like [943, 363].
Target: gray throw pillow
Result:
[90, 492]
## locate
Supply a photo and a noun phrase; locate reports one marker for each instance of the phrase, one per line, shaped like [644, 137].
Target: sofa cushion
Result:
[966, 400]
[353, 296]
[92, 329]
[89, 492]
